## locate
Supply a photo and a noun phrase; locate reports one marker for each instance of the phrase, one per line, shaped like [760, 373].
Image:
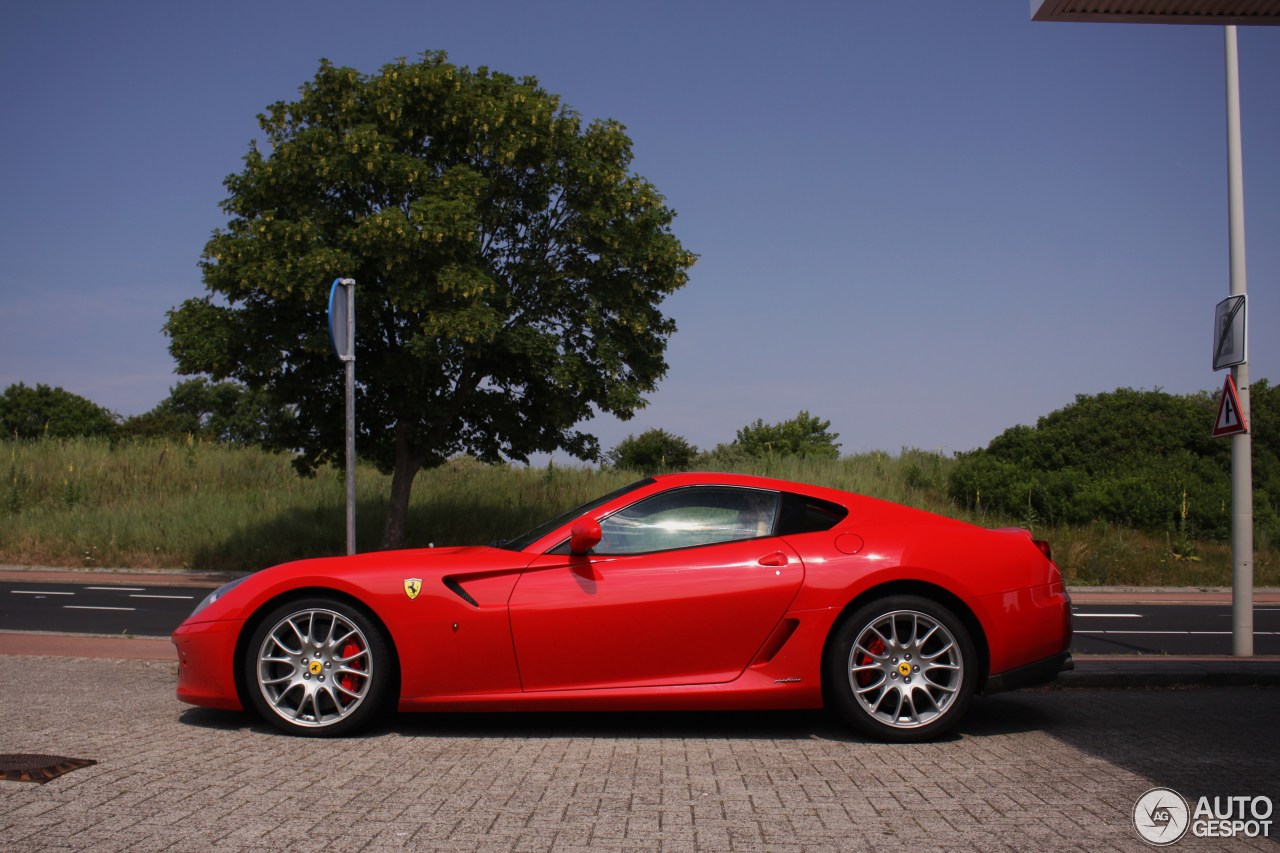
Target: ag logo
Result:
[412, 586]
[1161, 816]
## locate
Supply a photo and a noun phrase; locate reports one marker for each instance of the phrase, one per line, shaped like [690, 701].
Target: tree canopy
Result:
[42, 411]
[510, 270]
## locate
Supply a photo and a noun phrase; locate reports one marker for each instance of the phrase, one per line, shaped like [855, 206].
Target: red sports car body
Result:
[684, 591]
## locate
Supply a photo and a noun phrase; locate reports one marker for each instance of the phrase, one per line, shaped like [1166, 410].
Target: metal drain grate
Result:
[39, 768]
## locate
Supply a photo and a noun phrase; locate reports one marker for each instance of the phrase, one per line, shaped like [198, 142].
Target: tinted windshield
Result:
[525, 540]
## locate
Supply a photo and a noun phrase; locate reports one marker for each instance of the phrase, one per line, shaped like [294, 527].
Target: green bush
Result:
[1140, 458]
[804, 435]
[44, 412]
[226, 412]
[652, 452]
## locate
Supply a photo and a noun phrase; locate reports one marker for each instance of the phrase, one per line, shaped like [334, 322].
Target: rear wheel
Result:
[317, 667]
[901, 668]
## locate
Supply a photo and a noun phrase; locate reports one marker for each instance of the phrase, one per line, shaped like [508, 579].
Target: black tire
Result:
[318, 667]
[901, 669]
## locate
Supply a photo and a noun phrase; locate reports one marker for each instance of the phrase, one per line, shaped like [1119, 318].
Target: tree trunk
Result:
[407, 467]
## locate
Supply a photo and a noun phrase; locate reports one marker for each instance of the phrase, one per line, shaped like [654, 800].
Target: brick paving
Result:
[1054, 769]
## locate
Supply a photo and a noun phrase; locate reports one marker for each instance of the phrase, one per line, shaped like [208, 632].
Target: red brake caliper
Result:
[348, 681]
[866, 677]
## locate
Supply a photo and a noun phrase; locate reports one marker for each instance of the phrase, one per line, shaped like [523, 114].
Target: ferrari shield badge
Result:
[412, 586]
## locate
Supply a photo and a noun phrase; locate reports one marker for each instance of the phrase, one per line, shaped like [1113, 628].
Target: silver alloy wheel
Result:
[905, 669]
[314, 667]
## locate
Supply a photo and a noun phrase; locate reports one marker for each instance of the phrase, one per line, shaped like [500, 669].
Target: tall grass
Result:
[150, 504]
[158, 504]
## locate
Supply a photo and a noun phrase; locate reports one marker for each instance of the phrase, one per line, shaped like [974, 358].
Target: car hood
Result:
[364, 576]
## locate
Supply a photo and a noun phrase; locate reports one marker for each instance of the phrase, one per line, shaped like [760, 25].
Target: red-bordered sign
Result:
[1230, 420]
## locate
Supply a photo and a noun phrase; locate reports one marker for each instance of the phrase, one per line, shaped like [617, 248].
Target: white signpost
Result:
[1230, 338]
[342, 331]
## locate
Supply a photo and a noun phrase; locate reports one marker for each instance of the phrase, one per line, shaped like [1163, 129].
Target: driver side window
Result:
[686, 518]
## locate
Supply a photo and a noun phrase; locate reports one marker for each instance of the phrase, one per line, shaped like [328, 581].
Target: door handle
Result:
[775, 560]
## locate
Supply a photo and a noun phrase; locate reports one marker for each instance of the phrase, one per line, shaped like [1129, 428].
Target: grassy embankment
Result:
[210, 507]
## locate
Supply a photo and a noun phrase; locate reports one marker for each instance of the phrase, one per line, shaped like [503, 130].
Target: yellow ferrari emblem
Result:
[315, 667]
[412, 586]
[904, 669]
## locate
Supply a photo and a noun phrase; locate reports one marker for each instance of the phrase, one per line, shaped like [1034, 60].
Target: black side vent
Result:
[456, 589]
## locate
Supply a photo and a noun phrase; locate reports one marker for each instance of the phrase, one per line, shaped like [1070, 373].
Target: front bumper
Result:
[206, 664]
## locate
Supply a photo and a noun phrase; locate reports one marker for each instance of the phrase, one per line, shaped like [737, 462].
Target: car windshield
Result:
[525, 540]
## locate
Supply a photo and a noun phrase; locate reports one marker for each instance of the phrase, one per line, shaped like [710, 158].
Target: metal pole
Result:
[350, 287]
[1241, 445]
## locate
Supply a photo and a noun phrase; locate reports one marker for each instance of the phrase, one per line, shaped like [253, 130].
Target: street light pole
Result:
[342, 332]
[1241, 443]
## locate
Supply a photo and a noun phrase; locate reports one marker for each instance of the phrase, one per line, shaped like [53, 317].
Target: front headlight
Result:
[218, 593]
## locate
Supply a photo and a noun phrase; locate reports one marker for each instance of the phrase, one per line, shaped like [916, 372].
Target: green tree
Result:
[803, 435]
[43, 411]
[227, 412]
[653, 451]
[510, 270]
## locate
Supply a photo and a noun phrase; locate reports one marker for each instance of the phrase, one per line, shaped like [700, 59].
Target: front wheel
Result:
[317, 667]
[901, 669]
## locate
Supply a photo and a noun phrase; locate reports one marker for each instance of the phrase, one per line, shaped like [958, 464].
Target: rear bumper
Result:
[1039, 672]
[1025, 627]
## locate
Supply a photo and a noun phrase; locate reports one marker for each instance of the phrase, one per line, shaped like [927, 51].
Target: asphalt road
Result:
[154, 611]
[140, 611]
[1172, 629]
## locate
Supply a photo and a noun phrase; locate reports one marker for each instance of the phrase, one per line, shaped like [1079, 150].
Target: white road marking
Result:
[38, 592]
[179, 597]
[118, 588]
[87, 607]
[1186, 633]
[1180, 633]
[1106, 615]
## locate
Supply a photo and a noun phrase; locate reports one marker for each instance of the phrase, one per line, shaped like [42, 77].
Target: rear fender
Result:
[925, 590]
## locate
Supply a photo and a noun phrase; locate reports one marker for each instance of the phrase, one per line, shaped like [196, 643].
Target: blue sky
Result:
[926, 222]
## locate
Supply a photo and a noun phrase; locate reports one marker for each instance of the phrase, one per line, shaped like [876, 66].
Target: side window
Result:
[802, 514]
[685, 518]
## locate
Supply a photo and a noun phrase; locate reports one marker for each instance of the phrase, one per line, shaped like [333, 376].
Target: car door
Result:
[684, 588]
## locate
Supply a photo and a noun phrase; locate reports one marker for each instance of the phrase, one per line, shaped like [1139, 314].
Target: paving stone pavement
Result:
[1050, 769]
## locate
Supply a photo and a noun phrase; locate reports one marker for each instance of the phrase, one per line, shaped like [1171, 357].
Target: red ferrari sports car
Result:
[679, 592]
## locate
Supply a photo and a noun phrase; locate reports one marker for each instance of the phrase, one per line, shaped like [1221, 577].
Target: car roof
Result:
[714, 478]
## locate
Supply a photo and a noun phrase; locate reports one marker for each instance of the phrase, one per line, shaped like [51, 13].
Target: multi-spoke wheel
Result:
[901, 668]
[317, 667]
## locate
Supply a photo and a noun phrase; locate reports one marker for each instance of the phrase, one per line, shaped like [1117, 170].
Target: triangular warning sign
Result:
[1230, 419]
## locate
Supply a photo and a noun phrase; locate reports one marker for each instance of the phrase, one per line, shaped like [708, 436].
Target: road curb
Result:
[122, 577]
[1165, 595]
[1150, 671]
[25, 644]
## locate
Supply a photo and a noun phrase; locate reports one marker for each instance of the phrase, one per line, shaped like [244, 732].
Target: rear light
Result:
[1043, 545]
